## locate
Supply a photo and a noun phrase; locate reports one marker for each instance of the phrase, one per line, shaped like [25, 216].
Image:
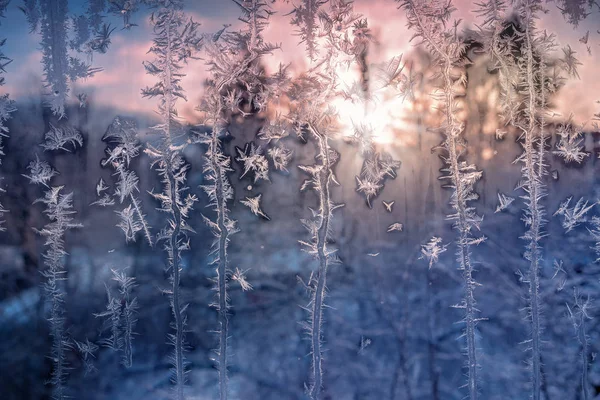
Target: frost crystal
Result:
[254, 204]
[59, 211]
[395, 227]
[120, 316]
[88, 351]
[373, 174]
[105, 201]
[100, 187]
[59, 66]
[388, 206]
[6, 109]
[176, 40]
[430, 22]
[254, 161]
[280, 156]
[432, 250]
[40, 172]
[58, 138]
[575, 11]
[575, 215]
[239, 276]
[569, 146]
[7, 106]
[595, 233]
[305, 19]
[129, 223]
[558, 268]
[503, 202]
[569, 62]
[122, 146]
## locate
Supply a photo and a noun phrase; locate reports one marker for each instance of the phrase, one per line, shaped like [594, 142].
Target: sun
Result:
[382, 116]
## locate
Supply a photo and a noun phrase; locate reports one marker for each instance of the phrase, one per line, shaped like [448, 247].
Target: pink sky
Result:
[123, 76]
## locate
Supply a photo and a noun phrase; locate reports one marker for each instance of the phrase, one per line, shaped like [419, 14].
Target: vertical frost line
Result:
[6, 108]
[321, 177]
[59, 210]
[428, 19]
[176, 41]
[120, 316]
[219, 192]
[311, 112]
[320, 229]
[305, 17]
[223, 192]
[238, 86]
[578, 314]
[528, 78]
[54, 50]
[533, 171]
[499, 48]
[59, 66]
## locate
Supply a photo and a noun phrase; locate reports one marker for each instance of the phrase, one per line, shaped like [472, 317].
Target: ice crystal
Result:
[239, 276]
[569, 147]
[40, 172]
[429, 22]
[176, 40]
[254, 161]
[432, 250]
[59, 211]
[573, 216]
[280, 156]
[122, 146]
[253, 203]
[395, 227]
[57, 138]
[88, 351]
[504, 202]
[388, 206]
[569, 62]
[305, 19]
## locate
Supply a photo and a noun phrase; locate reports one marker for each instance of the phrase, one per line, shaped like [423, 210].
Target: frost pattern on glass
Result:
[7, 107]
[429, 20]
[122, 147]
[175, 41]
[59, 211]
[120, 316]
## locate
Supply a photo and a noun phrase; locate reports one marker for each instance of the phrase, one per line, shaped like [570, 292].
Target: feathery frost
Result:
[59, 65]
[122, 147]
[536, 81]
[238, 86]
[504, 202]
[579, 313]
[343, 38]
[57, 138]
[432, 250]
[176, 40]
[305, 18]
[59, 211]
[7, 107]
[428, 20]
[120, 316]
[87, 350]
[569, 146]
[573, 216]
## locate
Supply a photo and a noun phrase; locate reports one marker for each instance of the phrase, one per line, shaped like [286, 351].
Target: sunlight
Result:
[382, 117]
